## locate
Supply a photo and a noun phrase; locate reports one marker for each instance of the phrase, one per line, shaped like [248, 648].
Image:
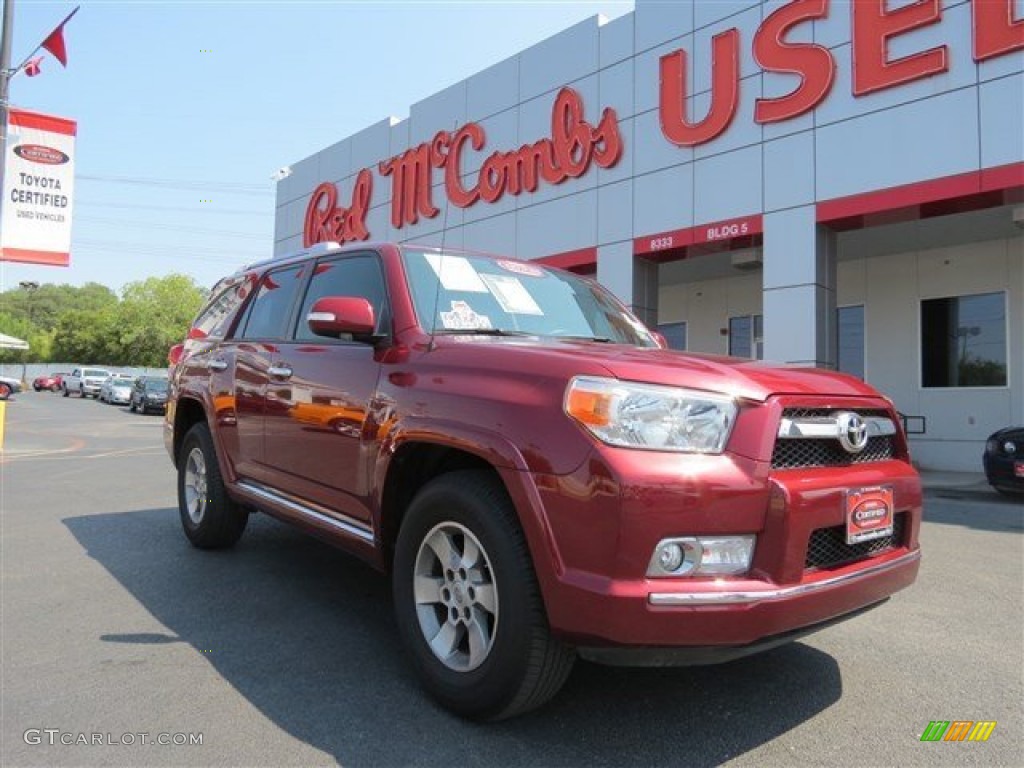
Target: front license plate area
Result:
[869, 513]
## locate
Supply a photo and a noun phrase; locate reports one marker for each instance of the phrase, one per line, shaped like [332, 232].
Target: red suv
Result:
[541, 478]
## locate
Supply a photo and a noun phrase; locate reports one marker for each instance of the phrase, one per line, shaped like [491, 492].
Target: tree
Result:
[153, 315]
[89, 324]
[40, 341]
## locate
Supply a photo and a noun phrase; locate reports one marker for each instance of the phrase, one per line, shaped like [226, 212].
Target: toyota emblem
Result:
[853, 432]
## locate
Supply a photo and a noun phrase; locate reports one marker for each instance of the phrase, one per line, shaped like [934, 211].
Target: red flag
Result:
[54, 43]
[32, 68]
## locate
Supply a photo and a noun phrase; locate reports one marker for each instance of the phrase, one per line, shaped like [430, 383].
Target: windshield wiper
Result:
[598, 339]
[480, 332]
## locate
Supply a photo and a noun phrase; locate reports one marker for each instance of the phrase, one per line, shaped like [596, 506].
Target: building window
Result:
[746, 336]
[675, 334]
[963, 341]
[850, 321]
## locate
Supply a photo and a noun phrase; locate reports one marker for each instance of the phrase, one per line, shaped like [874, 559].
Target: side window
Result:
[268, 314]
[358, 275]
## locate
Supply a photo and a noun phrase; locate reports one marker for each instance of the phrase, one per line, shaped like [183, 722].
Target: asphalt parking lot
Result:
[283, 651]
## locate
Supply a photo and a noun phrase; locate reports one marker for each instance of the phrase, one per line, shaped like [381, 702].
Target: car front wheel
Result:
[211, 519]
[5, 391]
[467, 601]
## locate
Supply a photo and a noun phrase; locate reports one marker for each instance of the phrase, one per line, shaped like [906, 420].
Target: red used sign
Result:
[874, 27]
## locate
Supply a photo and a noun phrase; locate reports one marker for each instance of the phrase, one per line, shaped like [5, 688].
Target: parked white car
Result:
[117, 388]
[85, 382]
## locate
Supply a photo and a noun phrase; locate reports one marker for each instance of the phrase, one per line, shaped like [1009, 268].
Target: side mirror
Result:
[335, 315]
[660, 338]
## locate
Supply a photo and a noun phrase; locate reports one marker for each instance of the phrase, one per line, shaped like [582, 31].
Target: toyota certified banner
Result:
[39, 179]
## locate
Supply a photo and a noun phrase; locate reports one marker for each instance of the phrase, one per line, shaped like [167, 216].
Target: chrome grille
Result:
[827, 547]
[791, 454]
[797, 453]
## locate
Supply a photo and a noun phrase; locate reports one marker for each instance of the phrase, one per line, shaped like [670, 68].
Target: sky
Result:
[185, 109]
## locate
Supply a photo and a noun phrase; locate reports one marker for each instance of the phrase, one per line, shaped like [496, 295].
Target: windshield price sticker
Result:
[455, 273]
[464, 318]
[520, 269]
[512, 295]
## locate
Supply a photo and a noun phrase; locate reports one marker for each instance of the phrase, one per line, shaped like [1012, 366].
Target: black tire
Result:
[212, 520]
[131, 405]
[523, 665]
[1012, 493]
[5, 391]
[36, 388]
[66, 393]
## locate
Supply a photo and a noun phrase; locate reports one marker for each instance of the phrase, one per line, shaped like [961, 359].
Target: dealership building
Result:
[814, 182]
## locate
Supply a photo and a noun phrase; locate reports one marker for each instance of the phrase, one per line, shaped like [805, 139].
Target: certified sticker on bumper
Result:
[868, 514]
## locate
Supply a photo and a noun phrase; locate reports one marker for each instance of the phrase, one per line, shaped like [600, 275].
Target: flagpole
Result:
[6, 40]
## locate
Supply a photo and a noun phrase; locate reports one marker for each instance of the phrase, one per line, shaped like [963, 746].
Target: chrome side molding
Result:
[343, 523]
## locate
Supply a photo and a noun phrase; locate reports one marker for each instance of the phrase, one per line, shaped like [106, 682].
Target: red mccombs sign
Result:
[573, 147]
[575, 144]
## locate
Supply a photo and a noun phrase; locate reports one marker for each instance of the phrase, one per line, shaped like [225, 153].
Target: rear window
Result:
[215, 318]
[95, 372]
[156, 385]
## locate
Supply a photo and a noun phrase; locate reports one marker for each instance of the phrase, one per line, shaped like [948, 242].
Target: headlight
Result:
[648, 416]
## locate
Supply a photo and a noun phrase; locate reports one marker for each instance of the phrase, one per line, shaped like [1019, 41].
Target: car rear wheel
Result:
[210, 518]
[467, 601]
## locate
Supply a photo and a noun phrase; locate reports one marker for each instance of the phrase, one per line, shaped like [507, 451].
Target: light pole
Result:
[30, 287]
[6, 40]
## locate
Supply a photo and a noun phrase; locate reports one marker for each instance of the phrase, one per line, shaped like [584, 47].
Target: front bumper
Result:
[607, 518]
[1001, 471]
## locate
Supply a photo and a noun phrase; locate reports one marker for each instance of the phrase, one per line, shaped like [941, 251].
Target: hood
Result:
[746, 379]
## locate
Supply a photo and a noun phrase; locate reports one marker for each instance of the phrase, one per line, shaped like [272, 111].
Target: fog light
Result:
[702, 556]
[670, 557]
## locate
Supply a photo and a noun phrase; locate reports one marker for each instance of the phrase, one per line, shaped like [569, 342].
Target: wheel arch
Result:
[415, 461]
[187, 413]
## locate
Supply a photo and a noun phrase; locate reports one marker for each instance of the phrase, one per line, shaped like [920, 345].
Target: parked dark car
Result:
[149, 393]
[50, 381]
[1004, 460]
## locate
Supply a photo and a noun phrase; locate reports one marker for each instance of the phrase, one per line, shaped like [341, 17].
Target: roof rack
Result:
[317, 249]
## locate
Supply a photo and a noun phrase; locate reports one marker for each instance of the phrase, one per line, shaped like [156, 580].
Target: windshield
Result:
[96, 373]
[477, 294]
[156, 385]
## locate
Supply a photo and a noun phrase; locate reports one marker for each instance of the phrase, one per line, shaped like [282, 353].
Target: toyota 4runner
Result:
[541, 478]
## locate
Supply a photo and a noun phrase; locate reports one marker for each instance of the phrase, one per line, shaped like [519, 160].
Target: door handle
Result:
[217, 365]
[280, 371]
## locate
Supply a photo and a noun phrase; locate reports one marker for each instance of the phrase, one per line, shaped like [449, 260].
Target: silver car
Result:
[117, 388]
